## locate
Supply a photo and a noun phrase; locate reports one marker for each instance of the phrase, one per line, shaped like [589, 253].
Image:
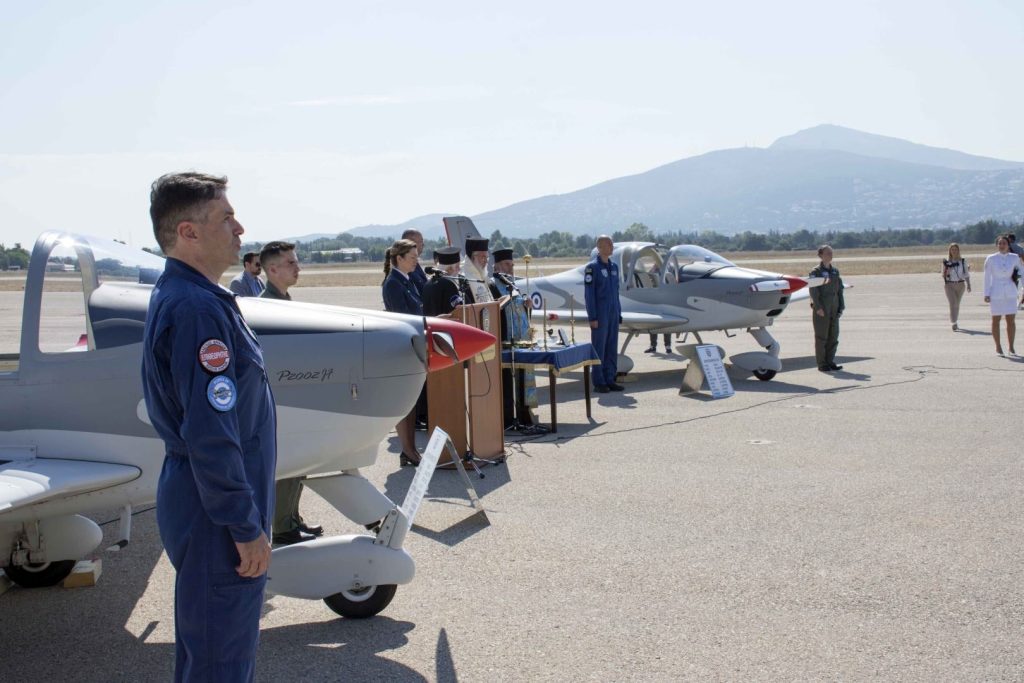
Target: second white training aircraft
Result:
[681, 289]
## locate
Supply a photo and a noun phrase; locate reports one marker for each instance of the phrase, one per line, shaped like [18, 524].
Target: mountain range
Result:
[822, 178]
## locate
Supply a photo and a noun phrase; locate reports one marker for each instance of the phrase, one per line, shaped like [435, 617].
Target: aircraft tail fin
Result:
[458, 229]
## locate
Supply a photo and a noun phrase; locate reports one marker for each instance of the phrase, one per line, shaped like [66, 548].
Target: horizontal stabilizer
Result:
[26, 482]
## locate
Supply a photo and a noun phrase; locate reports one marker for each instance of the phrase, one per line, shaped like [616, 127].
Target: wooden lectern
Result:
[448, 400]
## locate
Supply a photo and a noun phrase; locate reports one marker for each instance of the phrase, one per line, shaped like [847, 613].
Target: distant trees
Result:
[16, 256]
[567, 245]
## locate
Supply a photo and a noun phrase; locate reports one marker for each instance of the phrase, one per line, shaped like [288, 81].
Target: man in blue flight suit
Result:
[601, 289]
[208, 398]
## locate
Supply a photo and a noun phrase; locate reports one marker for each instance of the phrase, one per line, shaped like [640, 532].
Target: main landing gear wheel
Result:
[39, 575]
[363, 602]
[764, 375]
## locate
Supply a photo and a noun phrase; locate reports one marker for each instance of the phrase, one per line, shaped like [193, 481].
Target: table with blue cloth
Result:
[557, 360]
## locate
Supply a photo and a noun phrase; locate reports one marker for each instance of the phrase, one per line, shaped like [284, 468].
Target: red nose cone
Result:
[450, 342]
[795, 283]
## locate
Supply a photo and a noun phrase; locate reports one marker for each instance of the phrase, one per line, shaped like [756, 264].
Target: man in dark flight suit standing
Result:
[827, 304]
[601, 291]
[208, 398]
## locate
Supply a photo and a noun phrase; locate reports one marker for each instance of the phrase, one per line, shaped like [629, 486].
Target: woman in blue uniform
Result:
[401, 296]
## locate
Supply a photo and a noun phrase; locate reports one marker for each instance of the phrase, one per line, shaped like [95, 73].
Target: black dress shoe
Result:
[653, 349]
[834, 367]
[601, 388]
[291, 537]
[824, 368]
[311, 530]
[616, 387]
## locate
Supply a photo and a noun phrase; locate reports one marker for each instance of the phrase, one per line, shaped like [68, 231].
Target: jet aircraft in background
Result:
[75, 434]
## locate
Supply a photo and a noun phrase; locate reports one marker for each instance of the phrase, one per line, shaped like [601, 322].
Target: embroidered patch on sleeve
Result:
[214, 356]
[221, 393]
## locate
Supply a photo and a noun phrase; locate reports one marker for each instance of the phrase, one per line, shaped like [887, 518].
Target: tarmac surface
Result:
[865, 524]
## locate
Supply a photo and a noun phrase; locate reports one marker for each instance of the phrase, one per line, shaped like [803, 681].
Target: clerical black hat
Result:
[448, 256]
[476, 244]
[502, 255]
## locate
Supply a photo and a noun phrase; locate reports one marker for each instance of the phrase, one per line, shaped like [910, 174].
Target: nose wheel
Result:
[39, 575]
[764, 375]
[361, 602]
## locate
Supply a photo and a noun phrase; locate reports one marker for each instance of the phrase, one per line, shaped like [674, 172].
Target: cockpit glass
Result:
[691, 253]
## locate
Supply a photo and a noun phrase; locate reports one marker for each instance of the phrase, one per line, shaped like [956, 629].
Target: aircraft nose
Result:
[795, 283]
[450, 342]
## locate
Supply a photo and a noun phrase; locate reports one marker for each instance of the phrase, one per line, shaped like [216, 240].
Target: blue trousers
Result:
[216, 611]
[606, 343]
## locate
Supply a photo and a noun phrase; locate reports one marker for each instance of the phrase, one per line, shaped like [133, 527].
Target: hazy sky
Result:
[328, 115]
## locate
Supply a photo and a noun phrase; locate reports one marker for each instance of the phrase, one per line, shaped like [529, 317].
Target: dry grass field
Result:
[851, 262]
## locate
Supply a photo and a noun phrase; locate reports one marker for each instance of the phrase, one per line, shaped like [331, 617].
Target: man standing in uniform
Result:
[208, 398]
[828, 305]
[601, 289]
[418, 277]
[248, 283]
[282, 268]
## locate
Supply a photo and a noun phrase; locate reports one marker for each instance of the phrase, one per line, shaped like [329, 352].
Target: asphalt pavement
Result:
[861, 525]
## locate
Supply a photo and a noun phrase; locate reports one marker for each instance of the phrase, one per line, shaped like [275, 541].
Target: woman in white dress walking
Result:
[1001, 290]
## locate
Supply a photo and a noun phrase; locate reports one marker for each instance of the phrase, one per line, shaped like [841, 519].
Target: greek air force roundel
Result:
[221, 393]
[214, 356]
[537, 301]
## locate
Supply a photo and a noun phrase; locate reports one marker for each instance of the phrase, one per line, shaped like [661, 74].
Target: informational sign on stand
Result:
[424, 471]
[714, 371]
[439, 440]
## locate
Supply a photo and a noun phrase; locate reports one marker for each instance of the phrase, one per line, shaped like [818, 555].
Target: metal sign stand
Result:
[439, 440]
[705, 363]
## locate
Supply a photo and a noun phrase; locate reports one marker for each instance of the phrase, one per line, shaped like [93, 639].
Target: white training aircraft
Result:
[679, 290]
[75, 434]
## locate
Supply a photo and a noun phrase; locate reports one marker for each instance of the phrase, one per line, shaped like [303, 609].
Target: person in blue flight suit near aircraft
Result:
[209, 399]
[601, 288]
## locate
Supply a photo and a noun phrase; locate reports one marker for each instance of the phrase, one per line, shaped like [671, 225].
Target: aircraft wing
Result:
[34, 480]
[631, 319]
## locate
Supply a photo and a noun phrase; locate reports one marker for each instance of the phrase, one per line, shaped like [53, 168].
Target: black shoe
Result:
[824, 368]
[407, 460]
[291, 537]
[601, 388]
[311, 530]
[653, 349]
[616, 387]
[834, 367]
[668, 349]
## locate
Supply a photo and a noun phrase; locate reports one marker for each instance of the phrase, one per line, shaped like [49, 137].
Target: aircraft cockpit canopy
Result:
[89, 287]
[641, 266]
[688, 262]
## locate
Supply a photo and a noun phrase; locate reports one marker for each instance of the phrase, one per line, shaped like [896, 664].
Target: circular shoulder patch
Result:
[588, 278]
[214, 355]
[221, 393]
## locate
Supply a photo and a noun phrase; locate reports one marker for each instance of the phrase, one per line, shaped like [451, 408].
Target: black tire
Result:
[764, 375]
[363, 603]
[39, 575]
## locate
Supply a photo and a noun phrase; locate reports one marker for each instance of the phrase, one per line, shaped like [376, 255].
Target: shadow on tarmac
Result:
[83, 634]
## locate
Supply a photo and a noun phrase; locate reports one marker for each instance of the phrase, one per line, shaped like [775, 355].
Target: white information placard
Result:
[714, 371]
[425, 470]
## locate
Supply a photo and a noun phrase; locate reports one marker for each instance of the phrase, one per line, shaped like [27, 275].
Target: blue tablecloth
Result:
[557, 358]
